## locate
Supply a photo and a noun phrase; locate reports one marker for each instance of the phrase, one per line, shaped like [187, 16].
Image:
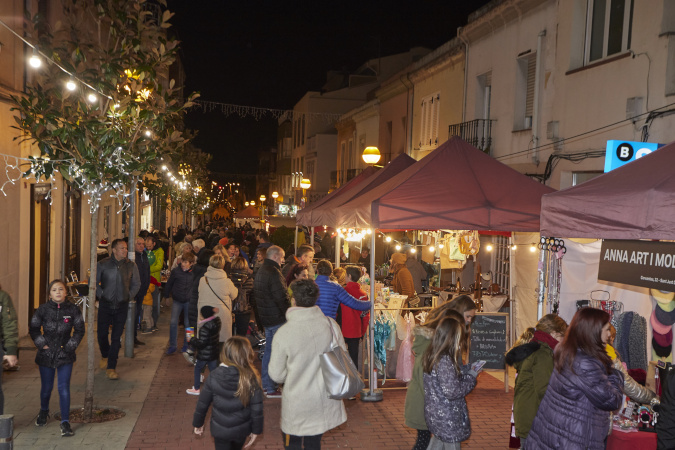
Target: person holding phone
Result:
[532, 357]
[446, 382]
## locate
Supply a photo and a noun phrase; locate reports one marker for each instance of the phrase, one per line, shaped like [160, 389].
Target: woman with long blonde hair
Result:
[235, 390]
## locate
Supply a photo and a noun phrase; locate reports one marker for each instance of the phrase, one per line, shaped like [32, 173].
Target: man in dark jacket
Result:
[9, 334]
[117, 281]
[272, 301]
[143, 266]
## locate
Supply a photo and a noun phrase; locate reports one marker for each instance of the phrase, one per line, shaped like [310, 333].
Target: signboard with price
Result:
[619, 153]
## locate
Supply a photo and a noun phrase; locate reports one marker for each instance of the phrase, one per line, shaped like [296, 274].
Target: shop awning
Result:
[634, 201]
[455, 187]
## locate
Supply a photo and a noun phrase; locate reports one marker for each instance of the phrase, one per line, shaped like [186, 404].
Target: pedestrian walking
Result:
[532, 357]
[446, 382]
[217, 290]
[155, 255]
[9, 335]
[234, 390]
[179, 287]
[306, 410]
[583, 389]
[117, 281]
[57, 327]
[241, 305]
[143, 266]
[354, 323]
[206, 343]
[331, 294]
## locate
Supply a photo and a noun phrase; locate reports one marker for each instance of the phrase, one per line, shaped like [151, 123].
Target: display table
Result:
[642, 440]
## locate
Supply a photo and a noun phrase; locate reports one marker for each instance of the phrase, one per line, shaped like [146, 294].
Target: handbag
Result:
[340, 375]
[214, 293]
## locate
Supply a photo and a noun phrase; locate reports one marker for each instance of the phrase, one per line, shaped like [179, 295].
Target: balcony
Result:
[476, 132]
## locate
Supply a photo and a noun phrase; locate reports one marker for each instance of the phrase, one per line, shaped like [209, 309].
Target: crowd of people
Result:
[229, 286]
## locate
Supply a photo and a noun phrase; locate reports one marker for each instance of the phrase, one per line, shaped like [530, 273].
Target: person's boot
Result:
[103, 363]
[66, 430]
[112, 374]
[42, 417]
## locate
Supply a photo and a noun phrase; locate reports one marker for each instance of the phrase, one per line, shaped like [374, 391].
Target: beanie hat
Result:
[398, 258]
[206, 311]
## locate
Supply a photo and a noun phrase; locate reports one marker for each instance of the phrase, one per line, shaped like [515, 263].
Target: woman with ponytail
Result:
[532, 357]
[234, 389]
[582, 390]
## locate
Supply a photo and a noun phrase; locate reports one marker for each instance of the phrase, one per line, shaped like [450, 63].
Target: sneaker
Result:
[192, 391]
[42, 417]
[112, 374]
[103, 363]
[153, 329]
[190, 358]
[146, 330]
[273, 394]
[184, 349]
[171, 350]
[65, 429]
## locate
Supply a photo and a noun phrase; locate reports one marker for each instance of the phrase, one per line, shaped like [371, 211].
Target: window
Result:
[302, 134]
[483, 95]
[524, 101]
[429, 121]
[608, 28]
[580, 177]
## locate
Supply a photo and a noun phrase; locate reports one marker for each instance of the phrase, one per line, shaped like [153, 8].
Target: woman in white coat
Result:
[306, 410]
[216, 290]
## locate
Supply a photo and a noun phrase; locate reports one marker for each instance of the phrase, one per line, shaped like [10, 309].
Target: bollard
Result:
[7, 432]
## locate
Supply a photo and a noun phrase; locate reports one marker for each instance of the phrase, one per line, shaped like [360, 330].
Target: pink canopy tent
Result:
[303, 216]
[634, 201]
[250, 212]
[328, 213]
[455, 187]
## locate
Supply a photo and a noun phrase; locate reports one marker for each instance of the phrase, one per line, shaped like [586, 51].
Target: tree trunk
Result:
[91, 353]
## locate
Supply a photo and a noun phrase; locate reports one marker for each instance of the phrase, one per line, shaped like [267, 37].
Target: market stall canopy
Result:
[304, 218]
[328, 213]
[634, 201]
[455, 187]
[251, 212]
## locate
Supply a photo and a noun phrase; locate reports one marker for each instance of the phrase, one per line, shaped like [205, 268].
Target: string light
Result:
[488, 247]
[533, 248]
[92, 98]
[35, 61]
[70, 85]
[432, 248]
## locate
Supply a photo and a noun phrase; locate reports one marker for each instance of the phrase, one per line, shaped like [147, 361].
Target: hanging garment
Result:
[406, 360]
[469, 243]
[380, 335]
[637, 343]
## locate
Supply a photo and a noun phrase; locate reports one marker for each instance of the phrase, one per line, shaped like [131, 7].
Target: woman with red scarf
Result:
[532, 357]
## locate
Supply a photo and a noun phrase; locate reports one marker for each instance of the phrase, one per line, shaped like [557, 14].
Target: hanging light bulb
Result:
[432, 249]
[440, 245]
[488, 247]
[35, 60]
[533, 248]
[514, 247]
[148, 133]
[92, 98]
[388, 239]
[369, 231]
[70, 85]
[398, 247]
[413, 250]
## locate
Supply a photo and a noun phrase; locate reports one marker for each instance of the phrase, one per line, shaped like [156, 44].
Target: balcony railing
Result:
[476, 132]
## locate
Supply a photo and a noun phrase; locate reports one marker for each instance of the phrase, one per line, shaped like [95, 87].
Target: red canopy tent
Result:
[250, 212]
[455, 187]
[634, 201]
[304, 217]
[327, 213]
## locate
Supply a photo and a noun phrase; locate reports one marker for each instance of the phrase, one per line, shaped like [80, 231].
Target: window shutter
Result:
[435, 118]
[531, 70]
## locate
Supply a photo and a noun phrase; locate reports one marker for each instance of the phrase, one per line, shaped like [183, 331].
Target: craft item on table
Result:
[637, 343]
[421, 317]
[658, 326]
[664, 317]
[662, 297]
[663, 340]
[406, 359]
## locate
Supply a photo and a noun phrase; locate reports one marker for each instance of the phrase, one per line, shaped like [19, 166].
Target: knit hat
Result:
[657, 325]
[664, 317]
[664, 340]
[398, 258]
[206, 311]
[103, 243]
[661, 350]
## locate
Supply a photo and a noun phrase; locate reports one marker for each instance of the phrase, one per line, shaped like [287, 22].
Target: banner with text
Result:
[638, 263]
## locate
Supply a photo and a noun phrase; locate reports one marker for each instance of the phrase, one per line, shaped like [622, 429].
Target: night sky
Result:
[268, 54]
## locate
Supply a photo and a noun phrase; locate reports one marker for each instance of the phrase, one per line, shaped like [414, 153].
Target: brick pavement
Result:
[166, 418]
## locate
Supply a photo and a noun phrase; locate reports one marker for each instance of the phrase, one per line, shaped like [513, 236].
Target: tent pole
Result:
[337, 249]
[311, 240]
[295, 241]
[371, 394]
[511, 294]
[542, 282]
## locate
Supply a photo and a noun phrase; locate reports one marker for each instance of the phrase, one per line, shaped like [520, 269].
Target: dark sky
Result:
[269, 53]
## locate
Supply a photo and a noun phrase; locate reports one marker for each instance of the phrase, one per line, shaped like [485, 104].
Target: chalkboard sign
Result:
[488, 339]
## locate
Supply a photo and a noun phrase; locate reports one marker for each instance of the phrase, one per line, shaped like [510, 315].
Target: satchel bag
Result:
[214, 293]
[340, 375]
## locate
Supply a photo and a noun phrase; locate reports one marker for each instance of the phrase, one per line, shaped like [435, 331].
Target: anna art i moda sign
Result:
[638, 263]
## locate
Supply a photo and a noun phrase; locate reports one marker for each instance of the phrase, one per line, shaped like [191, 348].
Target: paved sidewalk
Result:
[166, 419]
[22, 395]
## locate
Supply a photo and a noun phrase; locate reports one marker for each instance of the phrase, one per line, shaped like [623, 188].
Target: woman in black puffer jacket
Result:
[234, 389]
[242, 304]
[57, 328]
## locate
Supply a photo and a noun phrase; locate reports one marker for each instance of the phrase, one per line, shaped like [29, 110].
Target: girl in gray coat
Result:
[446, 382]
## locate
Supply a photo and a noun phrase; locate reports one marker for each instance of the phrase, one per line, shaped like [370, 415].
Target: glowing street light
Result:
[371, 155]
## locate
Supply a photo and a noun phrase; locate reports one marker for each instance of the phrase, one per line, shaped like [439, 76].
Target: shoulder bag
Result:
[340, 375]
[214, 293]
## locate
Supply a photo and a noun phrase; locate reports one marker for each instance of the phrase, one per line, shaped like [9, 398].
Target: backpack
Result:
[241, 303]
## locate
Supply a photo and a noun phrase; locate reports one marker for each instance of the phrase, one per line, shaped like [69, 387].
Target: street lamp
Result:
[246, 204]
[262, 206]
[371, 155]
[305, 184]
[275, 196]
[252, 202]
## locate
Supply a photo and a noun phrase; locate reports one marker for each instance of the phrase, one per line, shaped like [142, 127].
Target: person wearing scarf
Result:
[532, 357]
